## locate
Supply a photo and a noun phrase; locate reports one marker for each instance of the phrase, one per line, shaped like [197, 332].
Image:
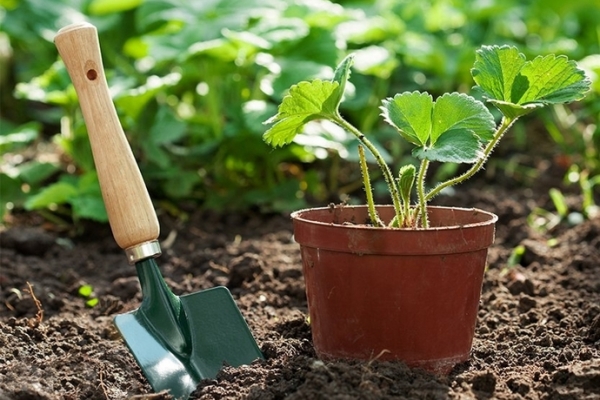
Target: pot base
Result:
[441, 366]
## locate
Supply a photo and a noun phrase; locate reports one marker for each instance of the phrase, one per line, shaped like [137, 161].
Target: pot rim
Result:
[299, 215]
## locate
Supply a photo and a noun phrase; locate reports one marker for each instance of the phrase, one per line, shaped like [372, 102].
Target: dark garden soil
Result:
[537, 337]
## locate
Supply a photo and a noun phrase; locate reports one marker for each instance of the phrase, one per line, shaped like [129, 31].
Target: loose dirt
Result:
[537, 337]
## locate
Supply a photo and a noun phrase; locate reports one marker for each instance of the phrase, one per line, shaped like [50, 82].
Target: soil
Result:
[537, 336]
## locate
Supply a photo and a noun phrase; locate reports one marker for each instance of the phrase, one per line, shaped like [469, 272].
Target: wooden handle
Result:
[130, 212]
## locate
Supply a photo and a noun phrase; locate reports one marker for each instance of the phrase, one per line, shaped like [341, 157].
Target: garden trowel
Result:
[177, 341]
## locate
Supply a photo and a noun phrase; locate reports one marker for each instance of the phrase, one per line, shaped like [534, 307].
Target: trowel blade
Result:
[219, 334]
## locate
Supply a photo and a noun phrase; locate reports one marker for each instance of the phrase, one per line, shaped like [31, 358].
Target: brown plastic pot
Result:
[394, 294]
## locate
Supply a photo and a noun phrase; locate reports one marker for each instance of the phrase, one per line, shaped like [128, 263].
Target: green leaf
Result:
[308, 101]
[81, 192]
[552, 80]
[52, 87]
[77, 147]
[101, 7]
[458, 146]
[247, 41]
[88, 183]
[320, 46]
[132, 101]
[374, 29]
[219, 49]
[89, 207]
[516, 86]
[10, 193]
[16, 137]
[341, 76]
[377, 61]
[135, 47]
[410, 113]
[454, 111]
[157, 154]
[57, 193]
[167, 127]
[453, 129]
[406, 179]
[93, 302]
[85, 290]
[281, 31]
[34, 172]
[305, 102]
[495, 70]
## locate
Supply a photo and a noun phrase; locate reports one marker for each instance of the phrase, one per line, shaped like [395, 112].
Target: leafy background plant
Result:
[193, 81]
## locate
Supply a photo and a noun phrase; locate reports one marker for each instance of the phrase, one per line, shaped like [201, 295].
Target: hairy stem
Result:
[505, 124]
[421, 193]
[375, 220]
[387, 173]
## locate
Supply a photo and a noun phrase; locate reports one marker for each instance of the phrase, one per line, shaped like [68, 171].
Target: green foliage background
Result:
[194, 80]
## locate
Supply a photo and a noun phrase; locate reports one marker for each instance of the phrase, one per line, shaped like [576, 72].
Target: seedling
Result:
[545, 221]
[515, 258]
[454, 128]
[87, 292]
[586, 184]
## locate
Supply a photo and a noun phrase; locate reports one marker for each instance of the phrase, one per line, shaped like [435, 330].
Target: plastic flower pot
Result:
[394, 294]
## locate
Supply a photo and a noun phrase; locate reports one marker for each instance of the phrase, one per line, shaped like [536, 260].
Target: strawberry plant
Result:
[455, 127]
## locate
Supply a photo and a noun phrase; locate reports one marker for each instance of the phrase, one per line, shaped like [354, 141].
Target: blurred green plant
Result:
[86, 291]
[546, 221]
[193, 81]
[516, 255]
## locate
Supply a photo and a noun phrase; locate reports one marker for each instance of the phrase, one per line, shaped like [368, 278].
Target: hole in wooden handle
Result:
[92, 74]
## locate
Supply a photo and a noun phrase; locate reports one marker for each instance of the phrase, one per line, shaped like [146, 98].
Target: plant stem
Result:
[387, 173]
[367, 184]
[505, 124]
[421, 193]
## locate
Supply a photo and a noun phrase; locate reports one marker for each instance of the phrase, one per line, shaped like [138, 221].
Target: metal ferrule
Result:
[143, 251]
